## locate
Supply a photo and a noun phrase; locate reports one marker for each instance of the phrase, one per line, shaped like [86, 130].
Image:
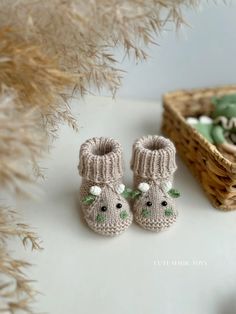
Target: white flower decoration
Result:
[143, 187]
[95, 190]
[120, 188]
[192, 121]
[166, 186]
[205, 120]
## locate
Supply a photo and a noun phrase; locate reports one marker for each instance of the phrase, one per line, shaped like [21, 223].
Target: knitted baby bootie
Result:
[105, 209]
[153, 164]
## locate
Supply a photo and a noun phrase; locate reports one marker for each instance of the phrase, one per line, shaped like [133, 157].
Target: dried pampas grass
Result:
[36, 80]
[21, 142]
[31, 107]
[16, 291]
[34, 76]
[83, 34]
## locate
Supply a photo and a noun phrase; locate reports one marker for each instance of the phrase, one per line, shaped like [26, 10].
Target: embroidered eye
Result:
[118, 205]
[103, 208]
[149, 203]
[164, 203]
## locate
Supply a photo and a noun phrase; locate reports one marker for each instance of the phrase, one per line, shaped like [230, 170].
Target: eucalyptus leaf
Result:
[224, 100]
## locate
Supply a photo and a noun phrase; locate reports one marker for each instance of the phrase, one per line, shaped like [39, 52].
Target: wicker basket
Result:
[215, 171]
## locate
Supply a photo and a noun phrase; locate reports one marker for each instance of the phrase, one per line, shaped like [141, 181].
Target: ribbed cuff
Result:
[153, 157]
[101, 160]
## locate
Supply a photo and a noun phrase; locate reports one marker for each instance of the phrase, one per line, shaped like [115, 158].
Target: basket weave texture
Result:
[215, 171]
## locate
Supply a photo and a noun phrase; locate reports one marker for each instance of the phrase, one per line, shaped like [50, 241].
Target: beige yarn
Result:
[101, 160]
[153, 157]
[153, 162]
[101, 165]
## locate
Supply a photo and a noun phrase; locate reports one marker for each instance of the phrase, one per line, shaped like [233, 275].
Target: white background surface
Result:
[81, 272]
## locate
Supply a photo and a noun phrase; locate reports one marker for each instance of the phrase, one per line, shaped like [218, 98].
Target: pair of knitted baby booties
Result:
[104, 198]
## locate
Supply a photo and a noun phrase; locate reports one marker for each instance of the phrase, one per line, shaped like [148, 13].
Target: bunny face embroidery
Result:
[154, 207]
[106, 210]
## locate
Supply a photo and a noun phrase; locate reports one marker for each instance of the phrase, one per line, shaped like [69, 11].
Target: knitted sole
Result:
[109, 229]
[155, 225]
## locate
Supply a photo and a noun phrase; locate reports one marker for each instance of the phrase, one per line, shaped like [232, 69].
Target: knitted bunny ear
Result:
[166, 186]
[120, 188]
[95, 190]
[143, 187]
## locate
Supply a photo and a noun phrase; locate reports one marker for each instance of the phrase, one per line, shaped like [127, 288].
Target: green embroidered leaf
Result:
[89, 199]
[123, 214]
[100, 218]
[127, 193]
[146, 213]
[174, 193]
[135, 193]
[168, 212]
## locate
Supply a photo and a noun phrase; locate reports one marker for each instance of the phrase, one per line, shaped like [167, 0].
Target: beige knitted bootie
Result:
[105, 209]
[153, 164]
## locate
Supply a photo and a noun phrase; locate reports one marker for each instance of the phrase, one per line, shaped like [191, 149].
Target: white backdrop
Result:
[203, 55]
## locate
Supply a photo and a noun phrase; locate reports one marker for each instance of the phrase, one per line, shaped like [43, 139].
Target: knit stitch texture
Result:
[105, 210]
[153, 164]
